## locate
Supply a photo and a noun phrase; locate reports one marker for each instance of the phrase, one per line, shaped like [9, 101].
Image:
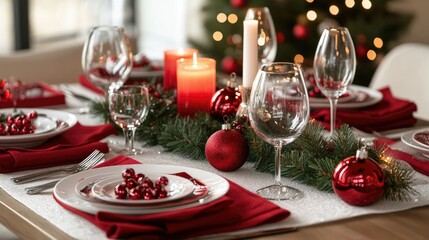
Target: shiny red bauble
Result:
[358, 180]
[226, 150]
[225, 102]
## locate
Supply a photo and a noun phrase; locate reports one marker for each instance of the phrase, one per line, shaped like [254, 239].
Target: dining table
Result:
[317, 215]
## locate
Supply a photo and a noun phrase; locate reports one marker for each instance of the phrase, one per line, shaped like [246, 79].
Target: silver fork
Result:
[85, 164]
[39, 188]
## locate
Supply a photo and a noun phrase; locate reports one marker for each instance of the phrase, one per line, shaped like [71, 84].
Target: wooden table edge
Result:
[25, 223]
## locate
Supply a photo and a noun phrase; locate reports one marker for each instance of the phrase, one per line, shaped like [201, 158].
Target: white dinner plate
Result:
[177, 188]
[32, 140]
[43, 125]
[65, 190]
[408, 139]
[373, 97]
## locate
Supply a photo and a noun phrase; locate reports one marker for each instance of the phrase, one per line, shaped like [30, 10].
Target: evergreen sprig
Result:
[310, 159]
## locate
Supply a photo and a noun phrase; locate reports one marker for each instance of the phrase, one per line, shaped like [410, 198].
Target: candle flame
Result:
[181, 50]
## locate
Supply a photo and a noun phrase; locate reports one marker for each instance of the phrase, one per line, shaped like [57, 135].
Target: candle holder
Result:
[243, 109]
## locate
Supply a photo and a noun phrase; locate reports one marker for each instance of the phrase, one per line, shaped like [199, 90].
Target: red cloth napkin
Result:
[389, 113]
[238, 209]
[39, 95]
[83, 80]
[72, 146]
[421, 166]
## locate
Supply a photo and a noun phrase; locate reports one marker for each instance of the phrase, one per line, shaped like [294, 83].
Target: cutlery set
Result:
[91, 160]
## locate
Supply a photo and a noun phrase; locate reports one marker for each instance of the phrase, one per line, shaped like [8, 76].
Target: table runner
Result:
[316, 207]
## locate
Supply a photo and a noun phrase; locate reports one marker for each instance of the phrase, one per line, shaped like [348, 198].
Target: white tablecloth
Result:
[315, 207]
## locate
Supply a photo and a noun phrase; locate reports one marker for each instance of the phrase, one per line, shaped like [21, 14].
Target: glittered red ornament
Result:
[300, 32]
[226, 150]
[225, 102]
[358, 180]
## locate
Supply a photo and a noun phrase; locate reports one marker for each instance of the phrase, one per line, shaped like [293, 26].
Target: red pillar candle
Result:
[170, 65]
[196, 85]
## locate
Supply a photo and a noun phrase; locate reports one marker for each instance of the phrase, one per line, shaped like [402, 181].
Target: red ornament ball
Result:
[230, 65]
[226, 150]
[358, 180]
[361, 51]
[238, 3]
[300, 32]
[226, 101]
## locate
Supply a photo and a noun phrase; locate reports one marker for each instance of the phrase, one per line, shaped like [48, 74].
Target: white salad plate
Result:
[177, 188]
[360, 97]
[46, 127]
[408, 139]
[67, 190]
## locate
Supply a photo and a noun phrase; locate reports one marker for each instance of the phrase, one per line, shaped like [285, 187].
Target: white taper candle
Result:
[250, 52]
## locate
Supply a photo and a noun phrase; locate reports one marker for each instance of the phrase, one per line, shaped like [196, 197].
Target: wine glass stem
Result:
[277, 163]
[333, 106]
[129, 133]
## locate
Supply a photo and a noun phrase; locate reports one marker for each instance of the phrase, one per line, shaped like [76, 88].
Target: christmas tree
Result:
[298, 26]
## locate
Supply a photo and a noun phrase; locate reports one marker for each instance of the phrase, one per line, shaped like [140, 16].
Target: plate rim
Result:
[66, 194]
[407, 139]
[375, 96]
[21, 140]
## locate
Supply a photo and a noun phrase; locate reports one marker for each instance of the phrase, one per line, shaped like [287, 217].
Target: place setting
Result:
[113, 189]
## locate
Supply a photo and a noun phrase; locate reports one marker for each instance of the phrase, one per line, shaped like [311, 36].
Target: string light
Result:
[232, 18]
[378, 42]
[299, 59]
[350, 3]
[311, 15]
[221, 17]
[366, 4]
[371, 55]
[334, 10]
[217, 36]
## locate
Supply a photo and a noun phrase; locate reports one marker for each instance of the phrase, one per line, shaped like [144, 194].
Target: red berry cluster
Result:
[239, 125]
[17, 124]
[5, 93]
[313, 90]
[137, 186]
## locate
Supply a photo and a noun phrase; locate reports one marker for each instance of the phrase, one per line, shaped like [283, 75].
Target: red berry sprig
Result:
[17, 124]
[137, 186]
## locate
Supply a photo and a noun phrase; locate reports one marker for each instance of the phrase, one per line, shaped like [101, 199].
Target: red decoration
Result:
[226, 150]
[225, 102]
[238, 3]
[358, 180]
[230, 65]
[300, 32]
[280, 37]
[361, 51]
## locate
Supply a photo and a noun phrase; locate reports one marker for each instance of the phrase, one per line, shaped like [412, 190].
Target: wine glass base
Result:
[130, 152]
[279, 192]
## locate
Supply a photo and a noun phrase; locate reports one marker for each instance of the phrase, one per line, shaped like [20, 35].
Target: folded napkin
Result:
[37, 95]
[72, 146]
[238, 209]
[83, 80]
[421, 166]
[387, 114]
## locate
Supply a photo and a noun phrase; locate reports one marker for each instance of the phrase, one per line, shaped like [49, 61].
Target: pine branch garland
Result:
[310, 159]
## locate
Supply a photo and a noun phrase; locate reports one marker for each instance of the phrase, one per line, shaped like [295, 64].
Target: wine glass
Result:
[267, 39]
[128, 107]
[107, 58]
[334, 66]
[278, 111]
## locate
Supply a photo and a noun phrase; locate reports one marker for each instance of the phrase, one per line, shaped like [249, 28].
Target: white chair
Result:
[56, 63]
[405, 70]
